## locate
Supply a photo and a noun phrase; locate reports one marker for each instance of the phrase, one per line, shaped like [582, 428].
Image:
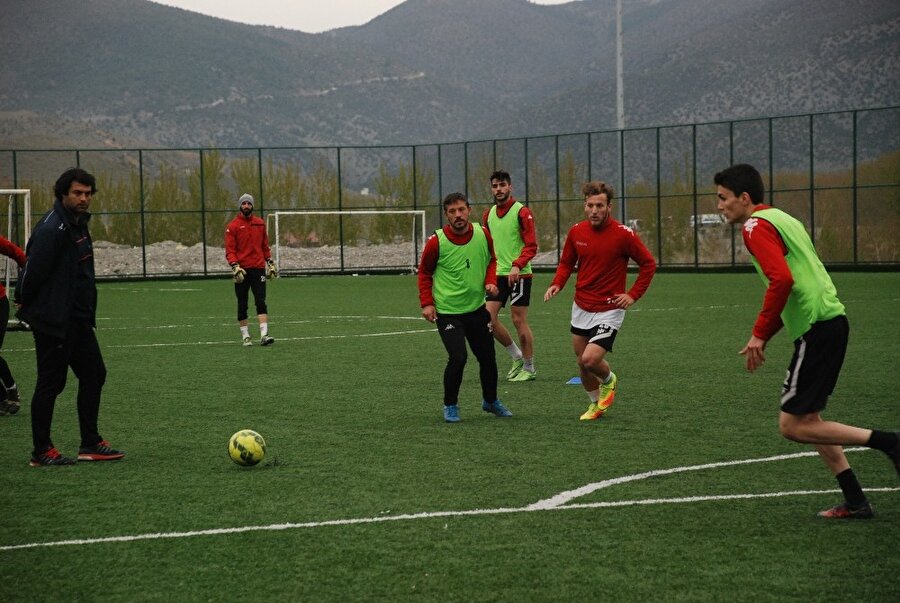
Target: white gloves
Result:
[271, 270]
[238, 273]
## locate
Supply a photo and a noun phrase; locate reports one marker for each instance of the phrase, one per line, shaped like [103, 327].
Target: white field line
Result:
[564, 497]
[536, 507]
[232, 341]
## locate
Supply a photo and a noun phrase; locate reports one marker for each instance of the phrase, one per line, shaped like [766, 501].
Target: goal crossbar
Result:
[275, 217]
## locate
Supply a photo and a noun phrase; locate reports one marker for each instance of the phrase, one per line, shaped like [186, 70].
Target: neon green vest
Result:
[508, 241]
[813, 297]
[458, 285]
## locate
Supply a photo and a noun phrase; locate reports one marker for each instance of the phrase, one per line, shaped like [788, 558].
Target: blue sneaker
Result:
[496, 408]
[451, 413]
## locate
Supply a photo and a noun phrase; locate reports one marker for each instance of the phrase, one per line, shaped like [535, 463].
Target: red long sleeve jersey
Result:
[247, 242]
[765, 244]
[601, 257]
[11, 250]
[526, 229]
[429, 261]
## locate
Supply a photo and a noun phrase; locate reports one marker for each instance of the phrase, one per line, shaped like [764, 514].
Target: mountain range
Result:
[129, 73]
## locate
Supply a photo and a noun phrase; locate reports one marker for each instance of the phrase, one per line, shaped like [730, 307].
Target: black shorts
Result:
[602, 335]
[815, 366]
[518, 295]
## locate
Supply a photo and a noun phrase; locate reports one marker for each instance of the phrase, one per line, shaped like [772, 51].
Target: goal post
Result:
[346, 240]
[12, 197]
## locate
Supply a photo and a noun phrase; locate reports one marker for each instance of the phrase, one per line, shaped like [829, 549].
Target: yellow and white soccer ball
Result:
[246, 448]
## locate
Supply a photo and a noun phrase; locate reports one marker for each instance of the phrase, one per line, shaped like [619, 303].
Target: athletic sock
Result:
[514, 352]
[884, 441]
[263, 329]
[850, 487]
[529, 365]
[245, 332]
[608, 378]
[594, 395]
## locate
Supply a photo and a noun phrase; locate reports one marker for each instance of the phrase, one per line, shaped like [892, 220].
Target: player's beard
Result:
[246, 211]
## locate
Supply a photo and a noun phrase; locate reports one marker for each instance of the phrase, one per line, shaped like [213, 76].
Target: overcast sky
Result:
[312, 16]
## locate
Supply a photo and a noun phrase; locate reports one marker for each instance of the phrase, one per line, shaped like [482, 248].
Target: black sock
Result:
[884, 441]
[850, 487]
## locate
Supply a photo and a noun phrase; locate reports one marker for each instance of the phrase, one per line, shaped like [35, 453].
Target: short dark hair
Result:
[742, 178]
[453, 198]
[64, 182]
[597, 187]
[501, 175]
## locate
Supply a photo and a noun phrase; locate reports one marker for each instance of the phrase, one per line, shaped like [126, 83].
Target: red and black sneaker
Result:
[845, 511]
[101, 451]
[50, 458]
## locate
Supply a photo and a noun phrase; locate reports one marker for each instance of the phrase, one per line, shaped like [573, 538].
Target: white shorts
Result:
[600, 328]
[586, 321]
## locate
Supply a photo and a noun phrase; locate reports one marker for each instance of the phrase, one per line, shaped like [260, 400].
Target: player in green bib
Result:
[801, 297]
[457, 268]
[512, 227]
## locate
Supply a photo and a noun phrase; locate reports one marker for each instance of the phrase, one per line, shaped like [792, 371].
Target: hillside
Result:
[138, 73]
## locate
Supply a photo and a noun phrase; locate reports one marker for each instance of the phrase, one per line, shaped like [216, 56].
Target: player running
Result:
[600, 248]
[801, 297]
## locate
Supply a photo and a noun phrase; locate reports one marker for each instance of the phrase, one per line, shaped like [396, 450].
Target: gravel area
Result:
[170, 258]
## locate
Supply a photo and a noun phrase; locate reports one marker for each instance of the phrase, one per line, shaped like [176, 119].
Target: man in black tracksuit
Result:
[57, 296]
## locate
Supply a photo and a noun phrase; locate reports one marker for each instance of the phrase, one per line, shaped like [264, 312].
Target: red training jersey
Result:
[765, 244]
[429, 261]
[11, 250]
[526, 231]
[247, 242]
[601, 257]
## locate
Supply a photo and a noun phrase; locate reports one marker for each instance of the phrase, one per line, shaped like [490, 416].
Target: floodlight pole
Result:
[620, 86]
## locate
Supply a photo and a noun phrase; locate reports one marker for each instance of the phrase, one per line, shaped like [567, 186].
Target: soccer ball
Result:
[246, 448]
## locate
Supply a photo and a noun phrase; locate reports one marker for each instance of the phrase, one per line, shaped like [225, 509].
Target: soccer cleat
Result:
[524, 375]
[50, 458]
[12, 393]
[496, 407]
[845, 511]
[451, 413]
[607, 393]
[516, 369]
[11, 404]
[593, 412]
[266, 340]
[246, 342]
[100, 452]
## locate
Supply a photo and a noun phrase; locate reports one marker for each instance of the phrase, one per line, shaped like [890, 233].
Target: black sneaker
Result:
[12, 403]
[50, 458]
[845, 511]
[266, 340]
[100, 452]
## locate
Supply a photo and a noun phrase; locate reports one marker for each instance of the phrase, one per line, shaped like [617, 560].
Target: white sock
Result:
[245, 332]
[263, 329]
[529, 365]
[594, 395]
[608, 378]
[514, 352]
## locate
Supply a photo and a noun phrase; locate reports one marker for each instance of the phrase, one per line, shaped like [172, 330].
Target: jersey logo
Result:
[749, 225]
[623, 227]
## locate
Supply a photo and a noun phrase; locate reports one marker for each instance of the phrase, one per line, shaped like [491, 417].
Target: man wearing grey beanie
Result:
[247, 252]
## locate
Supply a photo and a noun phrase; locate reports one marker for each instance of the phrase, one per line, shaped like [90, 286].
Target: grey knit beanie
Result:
[245, 197]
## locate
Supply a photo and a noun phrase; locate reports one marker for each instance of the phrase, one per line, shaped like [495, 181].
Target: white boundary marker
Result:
[555, 503]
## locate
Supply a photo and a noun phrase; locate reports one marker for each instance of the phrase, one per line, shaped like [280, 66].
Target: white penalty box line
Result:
[551, 504]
